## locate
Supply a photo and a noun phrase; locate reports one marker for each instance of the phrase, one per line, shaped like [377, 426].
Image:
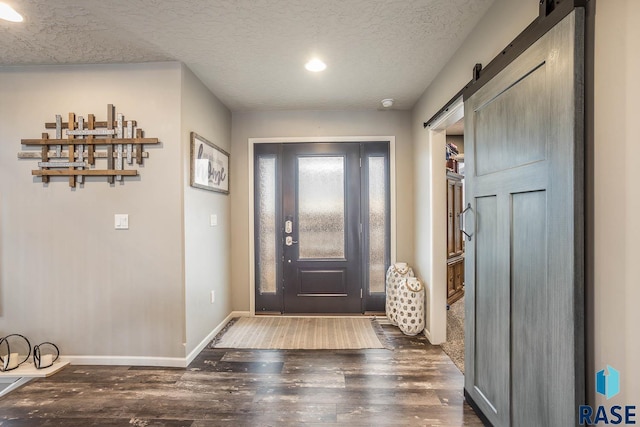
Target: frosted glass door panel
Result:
[267, 224]
[321, 207]
[377, 224]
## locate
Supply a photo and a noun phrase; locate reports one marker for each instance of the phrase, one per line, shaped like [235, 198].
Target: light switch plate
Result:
[213, 220]
[122, 221]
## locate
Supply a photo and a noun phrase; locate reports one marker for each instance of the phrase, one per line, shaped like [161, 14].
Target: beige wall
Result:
[615, 339]
[501, 24]
[617, 195]
[66, 275]
[312, 124]
[207, 248]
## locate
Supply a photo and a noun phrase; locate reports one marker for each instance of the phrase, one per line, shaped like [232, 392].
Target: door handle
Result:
[289, 241]
[461, 222]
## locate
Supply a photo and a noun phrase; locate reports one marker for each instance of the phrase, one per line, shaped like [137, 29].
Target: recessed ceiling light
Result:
[9, 14]
[315, 65]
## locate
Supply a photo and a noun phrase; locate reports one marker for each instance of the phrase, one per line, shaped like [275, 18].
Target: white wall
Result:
[616, 337]
[504, 20]
[207, 248]
[310, 124]
[66, 275]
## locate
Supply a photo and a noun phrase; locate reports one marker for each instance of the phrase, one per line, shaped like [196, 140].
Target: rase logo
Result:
[608, 385]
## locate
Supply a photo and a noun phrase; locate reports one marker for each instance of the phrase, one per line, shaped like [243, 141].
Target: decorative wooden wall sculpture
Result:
[123, 141]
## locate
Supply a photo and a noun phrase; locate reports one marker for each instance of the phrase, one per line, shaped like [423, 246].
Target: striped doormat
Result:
[299, 333]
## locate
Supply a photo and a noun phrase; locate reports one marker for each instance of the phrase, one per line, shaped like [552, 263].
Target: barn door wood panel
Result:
[524, 264]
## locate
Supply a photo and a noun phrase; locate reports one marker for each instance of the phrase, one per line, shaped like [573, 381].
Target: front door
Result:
[321, 209]
[524, 263]
[322, 226]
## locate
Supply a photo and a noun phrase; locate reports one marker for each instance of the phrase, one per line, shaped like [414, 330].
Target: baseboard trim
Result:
[170, 362]
[212, 334]
[173, 362]
[427, 334]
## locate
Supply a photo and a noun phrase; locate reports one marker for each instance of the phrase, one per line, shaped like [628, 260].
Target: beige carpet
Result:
[454, 347]
[293, 333]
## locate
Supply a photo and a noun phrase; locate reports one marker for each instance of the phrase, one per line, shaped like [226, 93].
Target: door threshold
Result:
[325, 316]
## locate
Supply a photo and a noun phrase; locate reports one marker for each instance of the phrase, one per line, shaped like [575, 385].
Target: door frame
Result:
[437, 273]
[313, 139]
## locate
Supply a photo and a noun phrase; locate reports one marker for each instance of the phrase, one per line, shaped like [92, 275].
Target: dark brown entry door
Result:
[321, 227]
[321, 211]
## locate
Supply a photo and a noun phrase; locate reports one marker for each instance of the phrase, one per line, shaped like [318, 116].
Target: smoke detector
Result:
[387, 102]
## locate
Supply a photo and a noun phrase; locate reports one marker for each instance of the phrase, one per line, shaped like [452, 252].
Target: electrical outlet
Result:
[213, 297]
[213, 220]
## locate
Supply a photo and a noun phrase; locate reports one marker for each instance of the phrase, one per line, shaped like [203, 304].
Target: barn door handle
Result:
[462, 221]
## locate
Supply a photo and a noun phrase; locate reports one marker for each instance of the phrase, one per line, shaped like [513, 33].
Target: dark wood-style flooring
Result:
[415, 384]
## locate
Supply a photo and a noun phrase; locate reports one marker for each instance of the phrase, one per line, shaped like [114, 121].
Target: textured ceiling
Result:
[251, 53]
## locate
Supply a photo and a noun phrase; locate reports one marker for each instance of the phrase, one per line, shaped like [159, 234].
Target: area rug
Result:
[299, 333]
[454, 347]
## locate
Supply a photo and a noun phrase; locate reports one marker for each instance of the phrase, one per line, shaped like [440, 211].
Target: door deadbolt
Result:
[288, 226]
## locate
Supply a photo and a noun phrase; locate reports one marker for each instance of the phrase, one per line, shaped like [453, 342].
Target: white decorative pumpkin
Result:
[395, 273]
[410, 306]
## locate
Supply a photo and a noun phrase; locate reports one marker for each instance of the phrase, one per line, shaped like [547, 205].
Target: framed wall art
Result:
[209, 165]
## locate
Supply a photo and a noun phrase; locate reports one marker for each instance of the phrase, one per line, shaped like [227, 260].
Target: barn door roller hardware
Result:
[550, 13]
